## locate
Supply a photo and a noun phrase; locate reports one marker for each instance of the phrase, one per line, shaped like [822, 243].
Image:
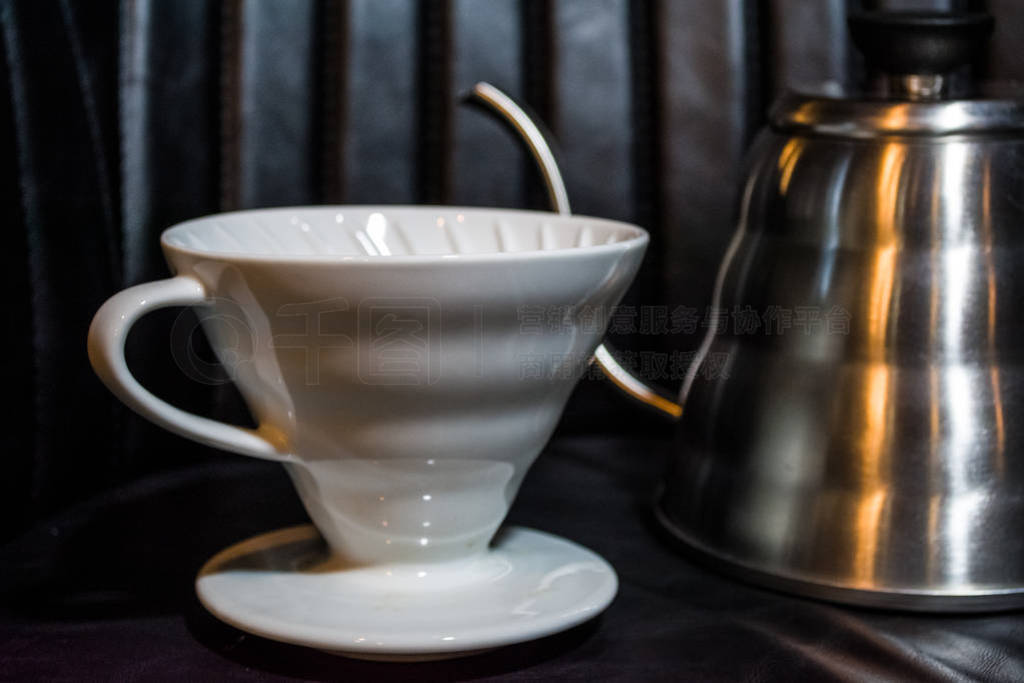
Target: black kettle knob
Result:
[919, 42]
[924, 44]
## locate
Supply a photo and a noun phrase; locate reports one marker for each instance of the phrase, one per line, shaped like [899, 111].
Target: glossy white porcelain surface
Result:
[283, 585]
[385, 355]
[391, 231]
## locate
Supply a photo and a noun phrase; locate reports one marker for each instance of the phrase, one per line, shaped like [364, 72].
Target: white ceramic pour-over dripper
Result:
[393, 357]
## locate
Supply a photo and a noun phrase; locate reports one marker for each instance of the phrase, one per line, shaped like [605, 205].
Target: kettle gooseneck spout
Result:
[540, 149]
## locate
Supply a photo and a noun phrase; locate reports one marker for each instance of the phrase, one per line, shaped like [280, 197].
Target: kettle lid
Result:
[916, 63]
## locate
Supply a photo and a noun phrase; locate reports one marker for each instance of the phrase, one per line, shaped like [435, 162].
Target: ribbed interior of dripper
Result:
[391, 232]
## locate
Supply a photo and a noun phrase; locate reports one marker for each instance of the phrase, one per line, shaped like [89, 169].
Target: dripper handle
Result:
[107, 335]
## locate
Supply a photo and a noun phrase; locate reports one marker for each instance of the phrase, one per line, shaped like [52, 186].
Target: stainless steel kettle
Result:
[856, 434]
[866, 444]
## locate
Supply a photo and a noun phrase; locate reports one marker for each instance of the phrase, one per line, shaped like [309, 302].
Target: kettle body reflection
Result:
[854, 433]
[863, 443]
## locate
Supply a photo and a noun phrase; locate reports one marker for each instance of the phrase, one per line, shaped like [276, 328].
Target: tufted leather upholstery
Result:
[121, 117]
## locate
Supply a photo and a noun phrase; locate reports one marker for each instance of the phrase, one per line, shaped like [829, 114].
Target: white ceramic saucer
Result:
[283, 585]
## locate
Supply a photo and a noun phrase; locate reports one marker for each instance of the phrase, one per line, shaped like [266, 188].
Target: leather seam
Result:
[231, 26]
[95, 134]
[8, 34]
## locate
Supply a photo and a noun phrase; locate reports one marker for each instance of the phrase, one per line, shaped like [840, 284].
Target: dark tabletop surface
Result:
[104, 592]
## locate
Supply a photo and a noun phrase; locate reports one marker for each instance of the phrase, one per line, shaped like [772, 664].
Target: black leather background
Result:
[104, 592]
[120, 117]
